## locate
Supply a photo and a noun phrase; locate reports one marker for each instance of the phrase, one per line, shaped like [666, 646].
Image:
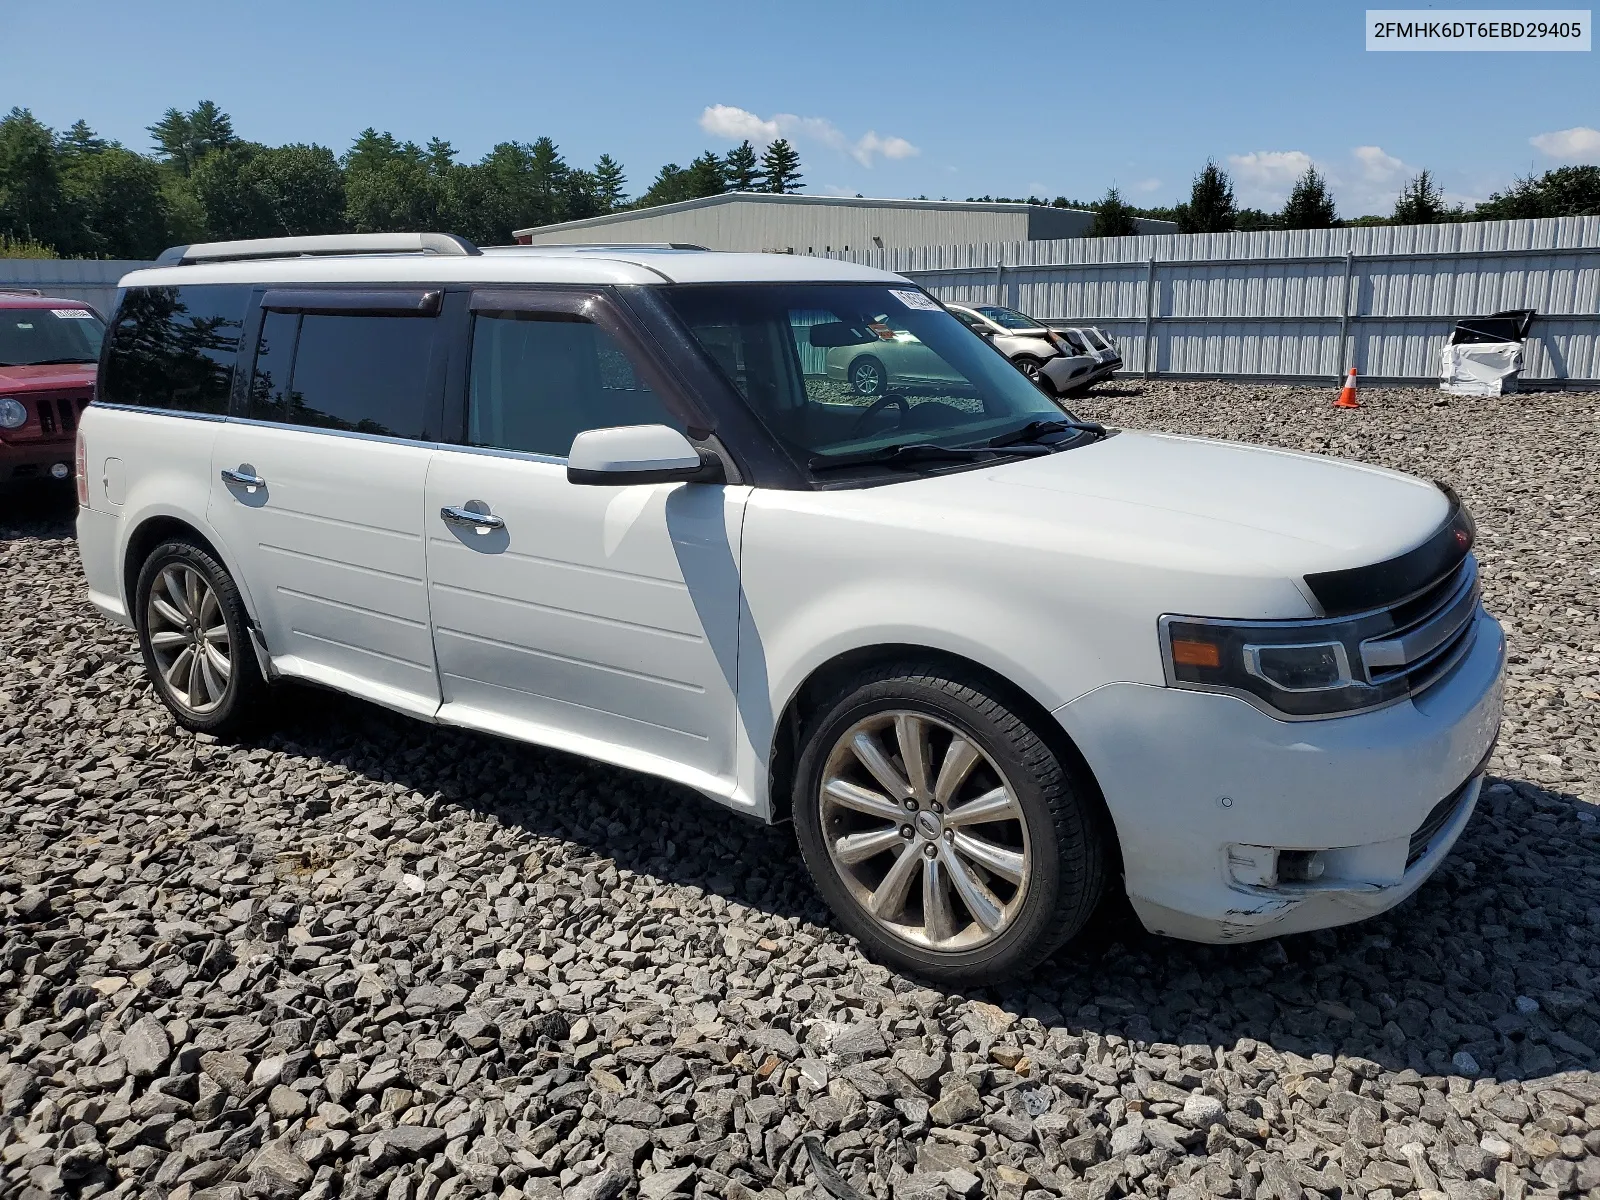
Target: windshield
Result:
[1009, 317]
[841, 368]
[30, 336]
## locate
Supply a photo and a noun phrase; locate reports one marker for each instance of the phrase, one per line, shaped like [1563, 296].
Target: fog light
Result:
[1299, 866]
[59, 470]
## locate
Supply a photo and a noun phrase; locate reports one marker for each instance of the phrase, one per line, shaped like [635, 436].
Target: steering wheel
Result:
[877, 406]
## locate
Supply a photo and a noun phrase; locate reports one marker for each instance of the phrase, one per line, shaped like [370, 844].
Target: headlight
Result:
[12, 413]
[1291, 668]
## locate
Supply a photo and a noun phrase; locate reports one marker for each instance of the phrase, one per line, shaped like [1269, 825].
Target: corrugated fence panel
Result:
[1295, 303]
[93, 281]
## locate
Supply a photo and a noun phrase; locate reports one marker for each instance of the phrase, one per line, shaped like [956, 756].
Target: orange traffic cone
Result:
[1347, 394]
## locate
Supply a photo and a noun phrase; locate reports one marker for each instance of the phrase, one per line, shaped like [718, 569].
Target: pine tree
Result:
[780, 168]
[1420, 202]
[1563, 192]
[1310, 204]
[609, 184]
[184, 138]
[1112, 217]
[80, 139]
[1210, 208]
[740, 168]
[706, 177]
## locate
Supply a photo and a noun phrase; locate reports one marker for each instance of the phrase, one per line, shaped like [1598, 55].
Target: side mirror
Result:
[639, 454]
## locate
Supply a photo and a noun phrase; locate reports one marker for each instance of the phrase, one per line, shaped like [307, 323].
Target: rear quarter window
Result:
[174, 347]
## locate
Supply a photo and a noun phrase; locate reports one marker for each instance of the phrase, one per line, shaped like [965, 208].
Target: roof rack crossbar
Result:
[321, 244]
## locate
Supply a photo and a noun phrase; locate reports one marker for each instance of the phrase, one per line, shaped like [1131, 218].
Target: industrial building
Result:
[788, 224]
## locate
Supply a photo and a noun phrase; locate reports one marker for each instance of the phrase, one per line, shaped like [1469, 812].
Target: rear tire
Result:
[942, 829]
[868, 376]
[194, 634]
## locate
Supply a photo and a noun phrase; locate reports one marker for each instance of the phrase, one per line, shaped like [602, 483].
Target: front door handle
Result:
[249, 482]
[483, 522]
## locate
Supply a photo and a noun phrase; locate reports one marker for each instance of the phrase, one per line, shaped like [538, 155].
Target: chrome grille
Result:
[1433, 630]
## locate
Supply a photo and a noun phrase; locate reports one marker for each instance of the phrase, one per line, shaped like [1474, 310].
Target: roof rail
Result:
[11, 291]
[331, 243]
[611, 246]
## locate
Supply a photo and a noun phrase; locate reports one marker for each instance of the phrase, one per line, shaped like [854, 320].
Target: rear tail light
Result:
[81, 470]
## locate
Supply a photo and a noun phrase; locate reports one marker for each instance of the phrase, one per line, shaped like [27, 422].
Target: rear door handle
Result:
[244, 479]
[483, 522]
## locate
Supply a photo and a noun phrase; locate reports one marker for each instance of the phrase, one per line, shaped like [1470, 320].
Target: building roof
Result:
[790, 199]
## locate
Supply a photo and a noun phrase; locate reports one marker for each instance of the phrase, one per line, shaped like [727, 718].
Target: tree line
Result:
[1563, 192]
[79, 195]
[75, 194]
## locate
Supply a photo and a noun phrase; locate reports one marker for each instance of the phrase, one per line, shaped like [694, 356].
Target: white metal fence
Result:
[1298, 303]
[94, 281]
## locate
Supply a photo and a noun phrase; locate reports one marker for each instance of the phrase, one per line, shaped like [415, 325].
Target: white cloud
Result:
[737, 124]
[890, 147]
[1579, 143]
[1265, 176]
[1146, 185]
[1376, 165]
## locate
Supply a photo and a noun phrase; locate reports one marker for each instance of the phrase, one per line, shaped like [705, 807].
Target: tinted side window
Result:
[359, 373]
[174, 347]
[540, 379]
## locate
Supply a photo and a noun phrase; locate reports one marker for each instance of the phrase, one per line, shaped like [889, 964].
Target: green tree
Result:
[1310, 203]
[1252, 219]
[780, 168]
[1112, 216]
[548, 182]
[610, 184]
[702, 177]
[221, 187]
[1563, 192]
[388, 186]
[1210, 208]
[117, 199]
[1420, 202]
[34, 205]
[184, 138]
[741, 170]
[706, 177]
[21, 248]
[80, 139]
[297, 189]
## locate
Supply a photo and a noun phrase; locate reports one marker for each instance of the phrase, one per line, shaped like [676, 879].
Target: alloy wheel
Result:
[925, 831]
[867, 378]
[189, 638]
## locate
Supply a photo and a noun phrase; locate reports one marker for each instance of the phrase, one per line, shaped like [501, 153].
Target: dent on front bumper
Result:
[1197, 782]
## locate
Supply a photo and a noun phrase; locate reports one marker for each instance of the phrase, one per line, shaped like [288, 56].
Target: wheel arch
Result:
[815, 689]
[157, 527]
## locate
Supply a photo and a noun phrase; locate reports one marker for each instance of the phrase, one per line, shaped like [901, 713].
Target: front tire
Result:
[194, 634]
[942, 829]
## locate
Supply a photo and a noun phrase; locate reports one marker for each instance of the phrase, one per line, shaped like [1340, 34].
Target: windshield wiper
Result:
[1033, 431]
[916, 452]
[53, 362]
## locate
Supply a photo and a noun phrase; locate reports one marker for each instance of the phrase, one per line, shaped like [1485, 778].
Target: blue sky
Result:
[936, 98]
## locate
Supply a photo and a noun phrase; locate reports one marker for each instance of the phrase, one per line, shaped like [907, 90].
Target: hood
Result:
[47, 378]
[1205, 508]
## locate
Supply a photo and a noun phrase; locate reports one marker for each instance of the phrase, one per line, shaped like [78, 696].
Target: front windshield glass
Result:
[843, 368]
[31, 336]
[1010, 318]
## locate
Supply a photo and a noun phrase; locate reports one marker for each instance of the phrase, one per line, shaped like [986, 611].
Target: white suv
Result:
[991, 660]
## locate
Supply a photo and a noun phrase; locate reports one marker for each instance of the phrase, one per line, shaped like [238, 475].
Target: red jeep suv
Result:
[48, 351]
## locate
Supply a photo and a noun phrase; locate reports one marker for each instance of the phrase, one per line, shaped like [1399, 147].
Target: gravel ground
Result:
[362, 957]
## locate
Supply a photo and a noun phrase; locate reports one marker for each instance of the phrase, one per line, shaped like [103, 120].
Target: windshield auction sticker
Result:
[1478, 29]
[917, 300]
[74, 314]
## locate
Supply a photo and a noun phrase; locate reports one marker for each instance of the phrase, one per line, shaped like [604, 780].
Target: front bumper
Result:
[1066, 371]
[1199, 783]
[20, 461]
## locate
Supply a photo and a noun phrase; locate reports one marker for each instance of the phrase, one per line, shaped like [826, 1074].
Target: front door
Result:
[317, 487]
[603, 620]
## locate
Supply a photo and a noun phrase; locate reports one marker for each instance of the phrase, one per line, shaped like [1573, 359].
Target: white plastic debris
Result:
[1480, 368]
